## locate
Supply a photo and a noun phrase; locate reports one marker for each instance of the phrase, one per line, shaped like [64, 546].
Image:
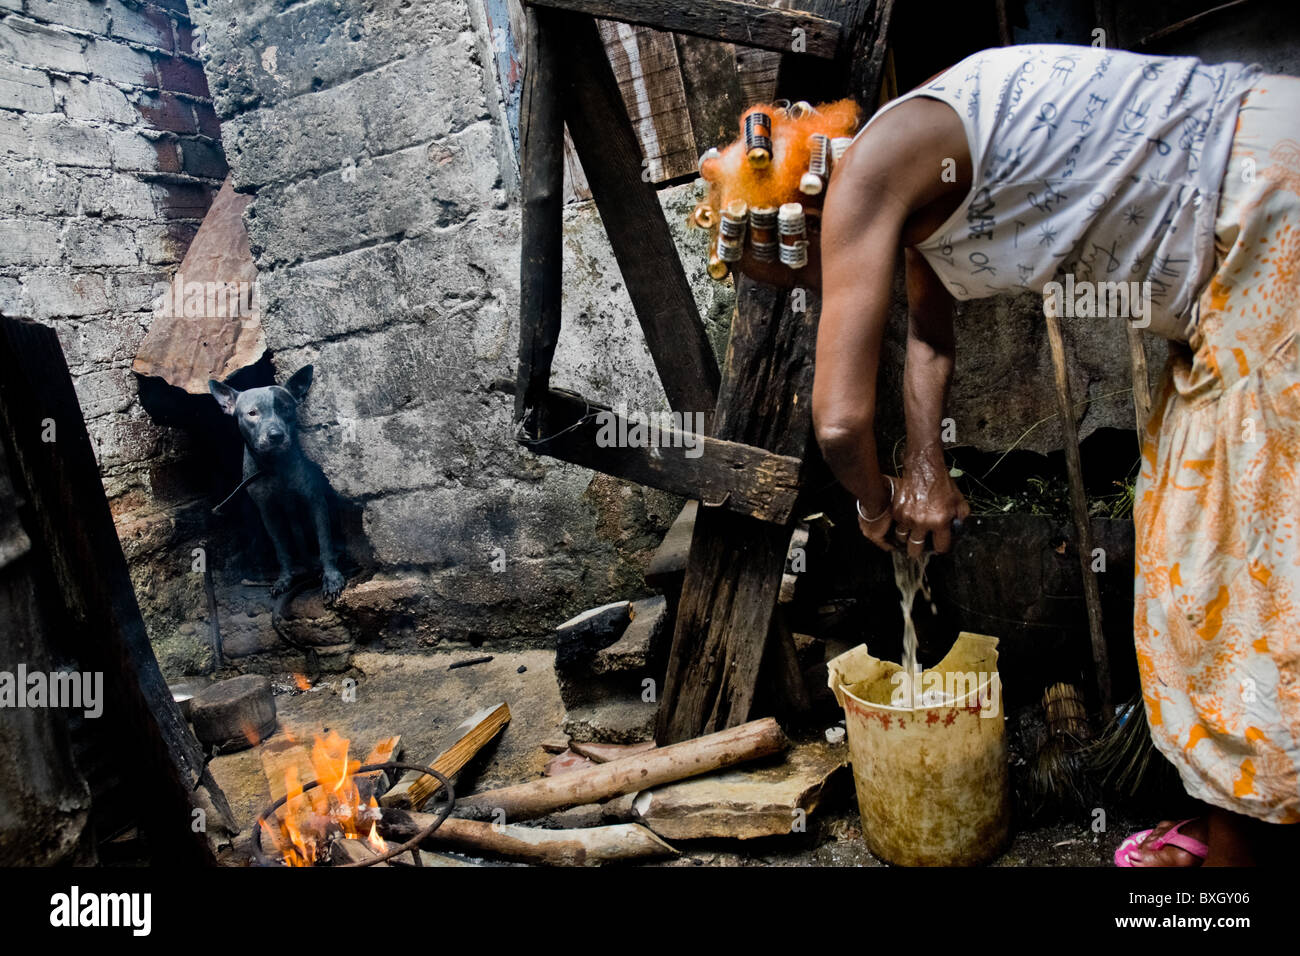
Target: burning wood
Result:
[302, 830]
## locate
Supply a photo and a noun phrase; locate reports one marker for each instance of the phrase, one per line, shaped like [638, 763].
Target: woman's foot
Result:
[1155, 850]
[1227, 839]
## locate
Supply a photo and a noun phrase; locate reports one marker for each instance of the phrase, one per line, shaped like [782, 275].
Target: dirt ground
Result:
[418, 697]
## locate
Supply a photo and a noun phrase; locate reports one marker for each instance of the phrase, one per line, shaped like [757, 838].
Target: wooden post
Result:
[1137, 354]
[101, 628]
[733, 572]
[542, 172]
[1079, 507]
[44, 800]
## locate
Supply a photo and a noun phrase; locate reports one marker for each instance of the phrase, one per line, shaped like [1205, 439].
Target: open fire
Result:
[342, 806]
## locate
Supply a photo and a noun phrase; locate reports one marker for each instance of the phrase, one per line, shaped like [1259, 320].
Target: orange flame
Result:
[302, 682]
[304, 827]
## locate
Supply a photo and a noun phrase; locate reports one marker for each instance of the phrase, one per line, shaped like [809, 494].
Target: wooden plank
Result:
[542, 171]
[415, 789]
[649, 78]
[711, 85]
[733, 572]
[729, 20]
[756, 70]
[634, 221]
[103, 630]
[736, 477]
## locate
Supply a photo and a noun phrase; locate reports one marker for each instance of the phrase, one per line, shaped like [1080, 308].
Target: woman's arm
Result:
[927, 500]
[860, 237]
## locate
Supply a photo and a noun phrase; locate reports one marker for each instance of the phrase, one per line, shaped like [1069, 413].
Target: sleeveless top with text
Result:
[1095, 162]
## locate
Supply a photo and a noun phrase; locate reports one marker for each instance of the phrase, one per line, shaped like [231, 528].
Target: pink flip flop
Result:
[1171, 836]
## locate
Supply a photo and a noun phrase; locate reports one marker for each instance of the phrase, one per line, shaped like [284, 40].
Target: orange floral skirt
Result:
[1217, 611]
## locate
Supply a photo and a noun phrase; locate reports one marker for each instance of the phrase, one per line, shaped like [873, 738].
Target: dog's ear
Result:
[299, 382]
[224, 394]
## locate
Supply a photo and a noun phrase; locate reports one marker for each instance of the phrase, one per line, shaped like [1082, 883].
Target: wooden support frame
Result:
[754, 456]
[731, 475]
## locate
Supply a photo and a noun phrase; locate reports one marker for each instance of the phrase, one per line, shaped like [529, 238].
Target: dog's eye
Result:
[252, 413]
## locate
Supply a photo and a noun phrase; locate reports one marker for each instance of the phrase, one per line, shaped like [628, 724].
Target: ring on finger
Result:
[916, 540]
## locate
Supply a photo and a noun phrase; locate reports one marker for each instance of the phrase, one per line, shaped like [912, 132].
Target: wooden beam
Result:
[731, 21]
[415, 789]
[542, 170]
[733, 571]
[732, 476]
[634, 221]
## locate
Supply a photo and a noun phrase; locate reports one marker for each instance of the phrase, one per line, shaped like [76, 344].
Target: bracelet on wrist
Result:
[867, 518]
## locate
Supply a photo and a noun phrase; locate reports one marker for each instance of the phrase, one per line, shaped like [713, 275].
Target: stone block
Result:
[166, 111]
[28, 242]
[60, 295]
[77, 14]
[93, 101]
[137, 23]
[625, 721]
[90, 243]
[42, 46]
[268, 54]
[25, 89]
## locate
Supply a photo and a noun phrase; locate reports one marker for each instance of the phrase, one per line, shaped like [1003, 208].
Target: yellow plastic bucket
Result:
[932, 781]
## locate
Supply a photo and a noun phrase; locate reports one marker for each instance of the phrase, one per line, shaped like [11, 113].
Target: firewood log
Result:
[690, 758]
[587, 847]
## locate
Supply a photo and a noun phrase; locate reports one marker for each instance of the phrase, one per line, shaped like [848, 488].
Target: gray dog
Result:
[288, 488]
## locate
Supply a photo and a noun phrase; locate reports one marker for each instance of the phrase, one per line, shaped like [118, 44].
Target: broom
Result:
[1059, 777]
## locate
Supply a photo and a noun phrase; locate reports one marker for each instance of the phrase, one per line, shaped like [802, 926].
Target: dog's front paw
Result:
[281, 584]
[332, 582]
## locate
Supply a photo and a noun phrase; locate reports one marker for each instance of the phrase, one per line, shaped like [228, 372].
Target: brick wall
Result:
[109, 155]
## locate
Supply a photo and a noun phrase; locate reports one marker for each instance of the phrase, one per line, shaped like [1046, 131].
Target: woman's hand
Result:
[926, 501]
[875, 513]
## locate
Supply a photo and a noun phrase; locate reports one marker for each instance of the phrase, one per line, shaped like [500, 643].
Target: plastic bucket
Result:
[932, 781]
